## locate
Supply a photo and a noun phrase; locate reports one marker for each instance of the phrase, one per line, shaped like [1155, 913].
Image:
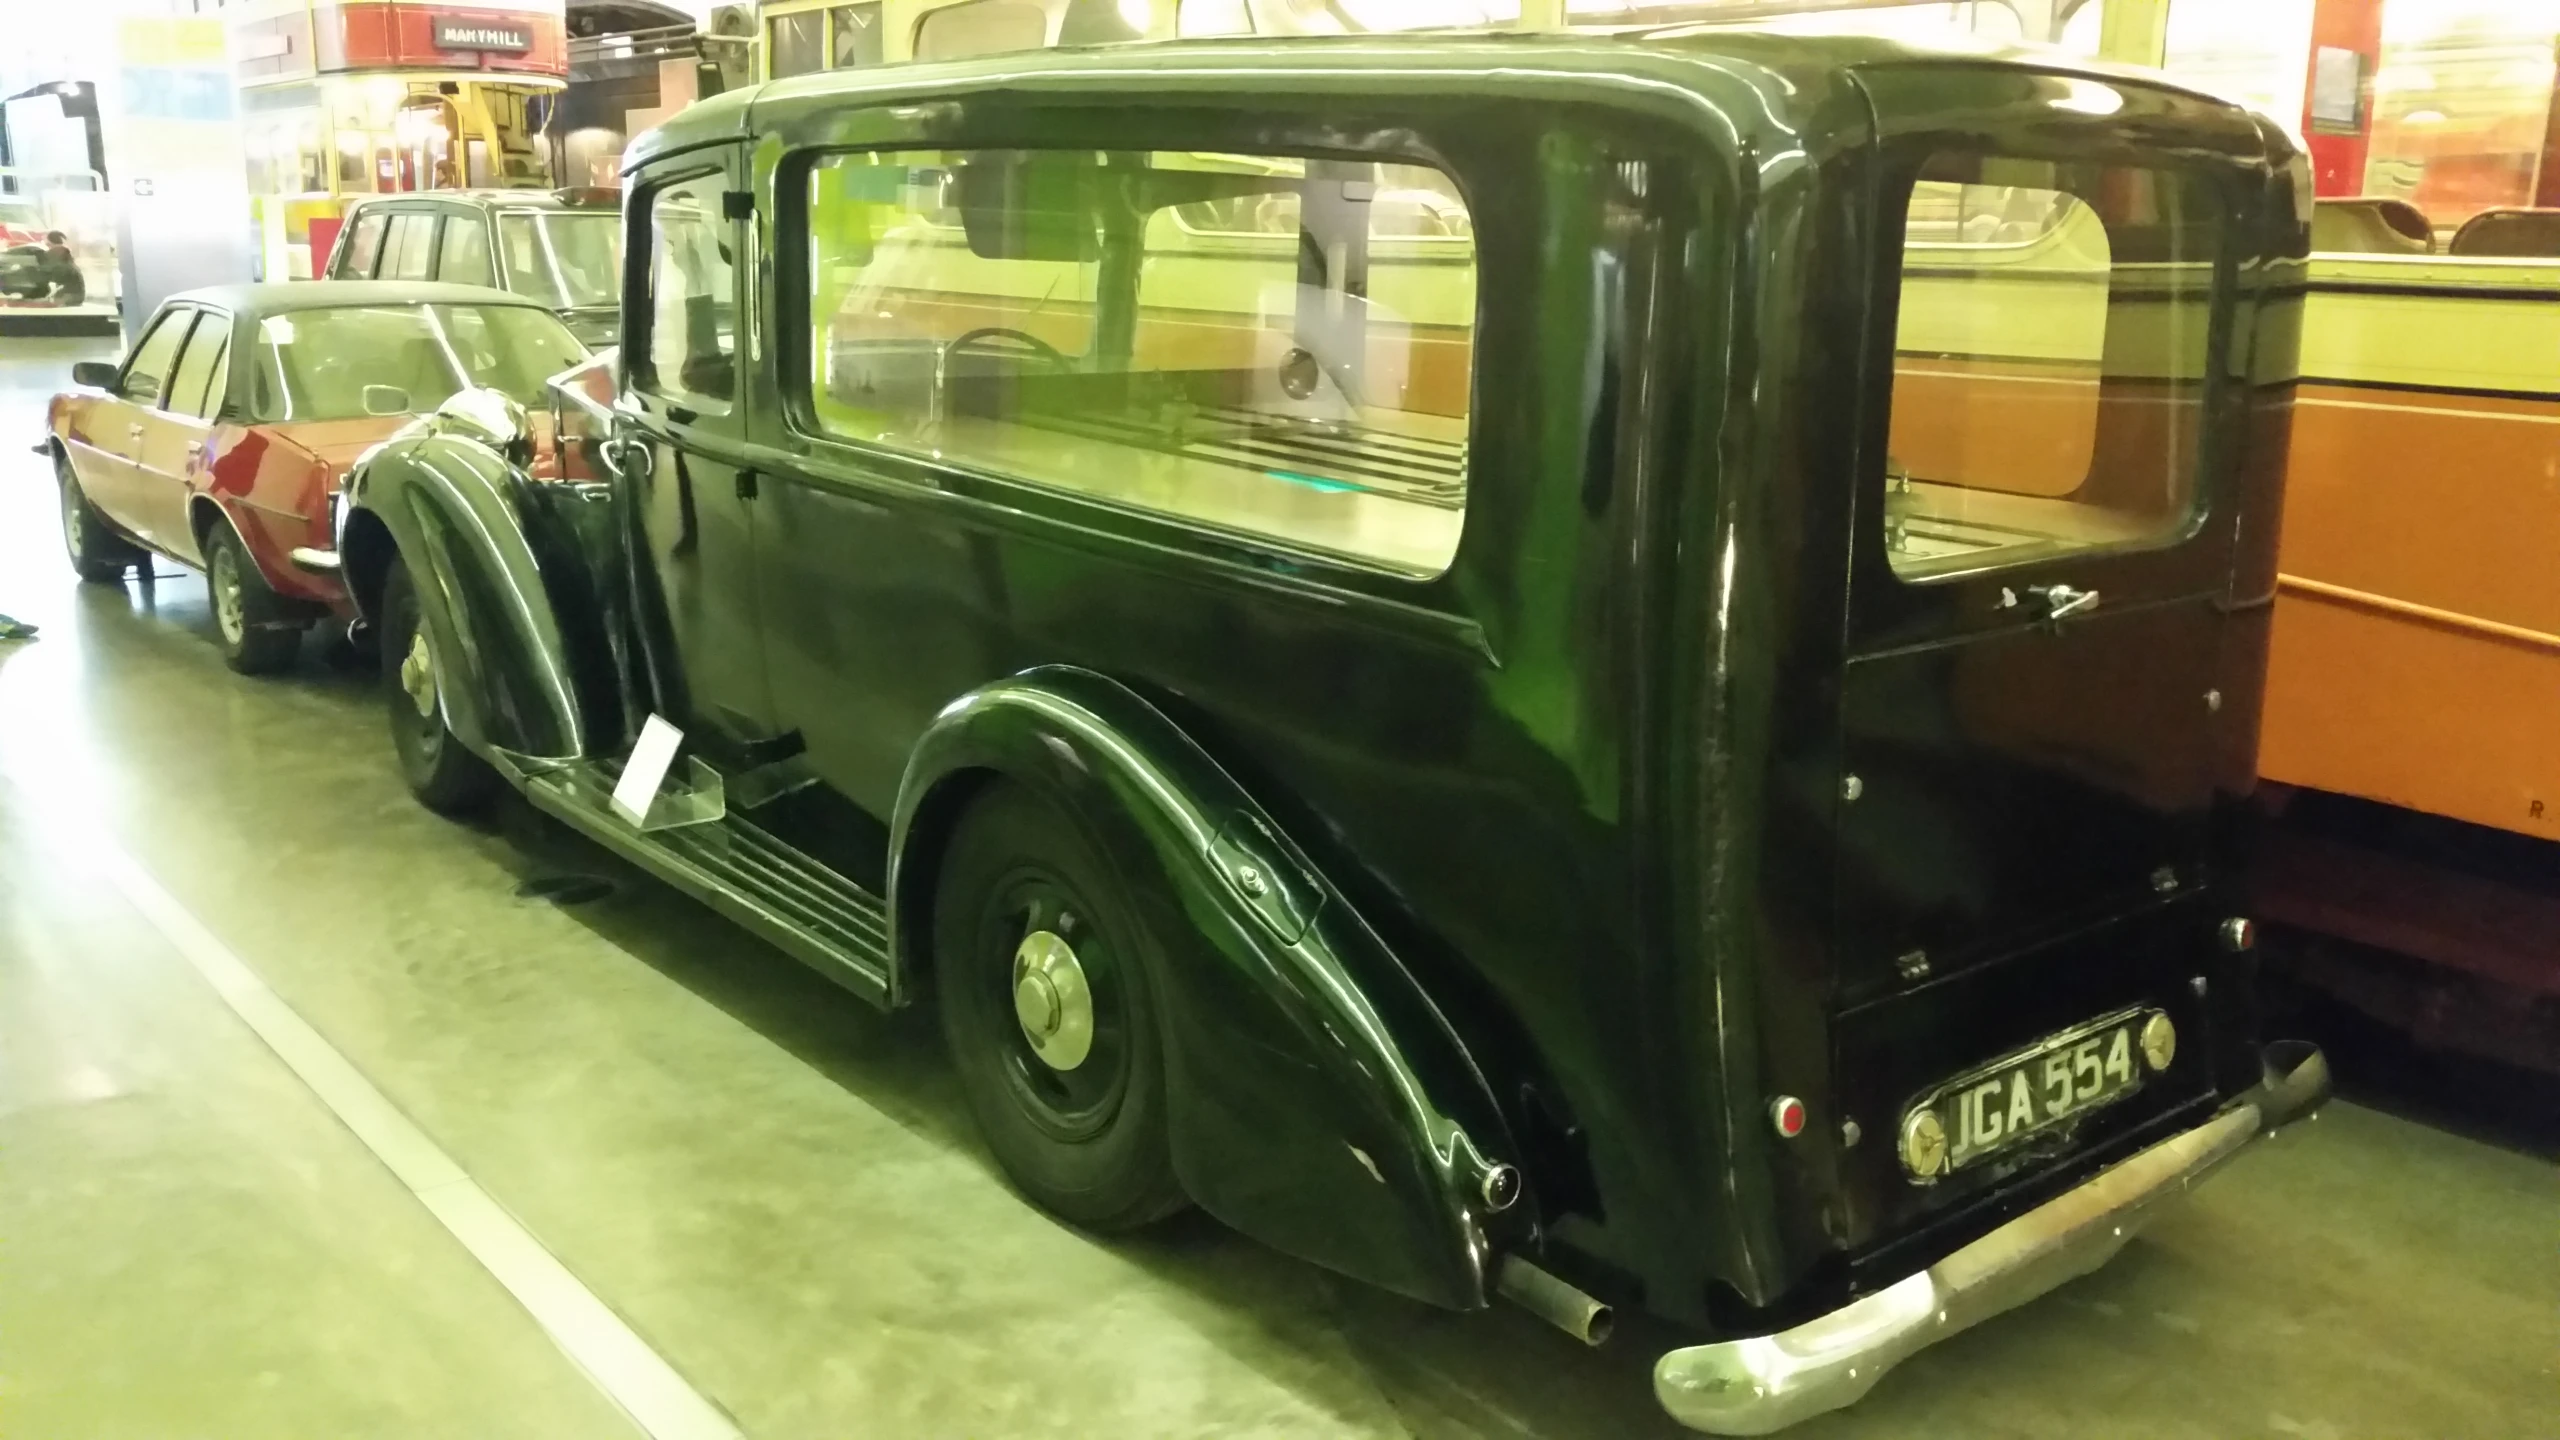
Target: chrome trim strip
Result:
[317, 561]
[1765, 1383]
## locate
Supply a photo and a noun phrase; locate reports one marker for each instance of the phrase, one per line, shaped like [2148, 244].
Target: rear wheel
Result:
[440, 770]
[96, 553]
[258, 633]
[1043, 968]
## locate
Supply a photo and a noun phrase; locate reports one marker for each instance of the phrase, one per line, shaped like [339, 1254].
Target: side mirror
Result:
[385, 400]
[95, 374]
[488, 416]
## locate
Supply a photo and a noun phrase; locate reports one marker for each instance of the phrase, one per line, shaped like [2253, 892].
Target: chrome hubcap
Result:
[1051, 1000]
[418, 673]
[72, 524]
[229, 611]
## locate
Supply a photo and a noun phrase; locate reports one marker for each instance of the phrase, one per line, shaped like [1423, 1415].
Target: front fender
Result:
[506, 571]
[1319, 1100]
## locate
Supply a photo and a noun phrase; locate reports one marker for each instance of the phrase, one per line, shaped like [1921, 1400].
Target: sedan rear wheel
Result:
[258, 633]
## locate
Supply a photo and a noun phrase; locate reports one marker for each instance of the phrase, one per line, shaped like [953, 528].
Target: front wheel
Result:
[439, 769]
[1043, 967]
[96, 554]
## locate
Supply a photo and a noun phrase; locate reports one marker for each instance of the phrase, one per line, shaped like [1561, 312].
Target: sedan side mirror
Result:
[385, 400]
[95, 374]
[491, 417]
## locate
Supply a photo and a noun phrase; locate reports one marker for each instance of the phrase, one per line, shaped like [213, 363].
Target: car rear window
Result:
[355, 360]
[2050, 362]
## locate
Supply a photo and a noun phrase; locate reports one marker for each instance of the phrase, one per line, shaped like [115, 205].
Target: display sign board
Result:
[463, 32]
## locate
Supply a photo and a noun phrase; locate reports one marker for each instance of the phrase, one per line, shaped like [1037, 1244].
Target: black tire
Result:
[438, 768]
[259, 634]
[97, 555]
[1087, 1142]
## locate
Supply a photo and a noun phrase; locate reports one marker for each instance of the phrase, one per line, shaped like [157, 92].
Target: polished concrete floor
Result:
[779, 1191]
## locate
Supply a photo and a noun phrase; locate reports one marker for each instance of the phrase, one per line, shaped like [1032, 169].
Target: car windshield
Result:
[356, 360]
[566, 259]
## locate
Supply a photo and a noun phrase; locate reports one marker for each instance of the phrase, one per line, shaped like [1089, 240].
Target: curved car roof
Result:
[1581, 64]
[281, 297]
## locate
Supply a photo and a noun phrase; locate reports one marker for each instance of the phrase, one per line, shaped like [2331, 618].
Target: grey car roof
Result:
[280, 297]
[499, 200]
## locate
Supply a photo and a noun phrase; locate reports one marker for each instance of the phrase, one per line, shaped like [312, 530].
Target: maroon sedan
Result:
[221, 438]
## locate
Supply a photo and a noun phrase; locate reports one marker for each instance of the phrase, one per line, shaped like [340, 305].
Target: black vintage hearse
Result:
[1603, 670]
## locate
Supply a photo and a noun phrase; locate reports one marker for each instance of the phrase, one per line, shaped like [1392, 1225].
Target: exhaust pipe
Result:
[1553, 1301]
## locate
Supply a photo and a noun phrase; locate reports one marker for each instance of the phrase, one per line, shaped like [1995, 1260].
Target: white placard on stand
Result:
[646, 768]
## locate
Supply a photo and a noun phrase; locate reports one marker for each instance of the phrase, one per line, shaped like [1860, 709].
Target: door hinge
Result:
[737, 204]
[746, 484]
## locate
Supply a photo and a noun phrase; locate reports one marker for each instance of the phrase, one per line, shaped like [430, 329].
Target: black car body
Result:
[1580, 793]
[561, 249]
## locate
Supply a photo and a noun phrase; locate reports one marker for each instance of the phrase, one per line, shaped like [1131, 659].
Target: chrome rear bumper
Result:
[1768, 1382]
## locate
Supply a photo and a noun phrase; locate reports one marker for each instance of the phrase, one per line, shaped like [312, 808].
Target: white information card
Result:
[647, 766]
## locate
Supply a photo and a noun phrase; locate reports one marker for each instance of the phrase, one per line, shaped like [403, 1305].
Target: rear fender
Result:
[511, 574]
[1319, 1100]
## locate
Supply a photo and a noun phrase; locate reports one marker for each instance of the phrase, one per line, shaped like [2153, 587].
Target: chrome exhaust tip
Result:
[1553, 1301]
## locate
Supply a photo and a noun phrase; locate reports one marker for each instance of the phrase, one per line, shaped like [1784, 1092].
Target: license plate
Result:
[2010, 1101]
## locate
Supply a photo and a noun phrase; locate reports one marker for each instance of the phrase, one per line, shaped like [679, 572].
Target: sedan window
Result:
[465, 260]
[356, 360]
[196, 389]
[154, 357]
[363, 247]
[411, 248]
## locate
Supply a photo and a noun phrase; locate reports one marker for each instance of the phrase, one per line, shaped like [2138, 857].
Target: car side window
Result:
[690, 351]
[412, 246]
[465, 260]
[1275, 346]
[364, 246]
[194, 389]
[148, 371]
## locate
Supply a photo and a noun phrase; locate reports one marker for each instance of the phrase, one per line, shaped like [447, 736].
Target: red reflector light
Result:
[1786, 1114]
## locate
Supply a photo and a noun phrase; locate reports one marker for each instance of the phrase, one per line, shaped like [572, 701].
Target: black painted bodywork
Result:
[1569, 881]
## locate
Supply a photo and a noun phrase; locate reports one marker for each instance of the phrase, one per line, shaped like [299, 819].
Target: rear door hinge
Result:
[737, 204]
[746, 484]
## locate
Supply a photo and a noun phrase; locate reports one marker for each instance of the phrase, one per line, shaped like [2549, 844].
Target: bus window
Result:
[2441, 109]
[855, 31]
[981, 27]
[792, 44]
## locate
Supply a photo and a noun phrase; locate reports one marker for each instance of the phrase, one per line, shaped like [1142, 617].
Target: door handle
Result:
[133, 432]
[628, 456]
[195, 450]
[2061, 602]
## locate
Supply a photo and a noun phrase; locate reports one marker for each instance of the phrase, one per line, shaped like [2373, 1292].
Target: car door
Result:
[171, 463]
[105, 464]
[686, 436]
[2043, 540]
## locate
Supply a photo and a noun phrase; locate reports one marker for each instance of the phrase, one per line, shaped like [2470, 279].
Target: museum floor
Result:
[747, 1204]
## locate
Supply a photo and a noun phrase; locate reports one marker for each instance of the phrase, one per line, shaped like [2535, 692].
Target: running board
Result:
[838, 928]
